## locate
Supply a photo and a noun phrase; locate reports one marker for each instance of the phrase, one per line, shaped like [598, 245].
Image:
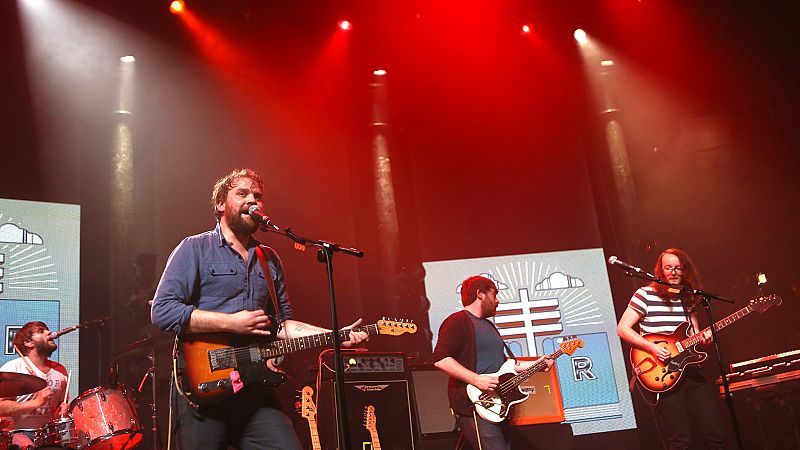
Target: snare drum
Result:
[107, 417]
[61, 433]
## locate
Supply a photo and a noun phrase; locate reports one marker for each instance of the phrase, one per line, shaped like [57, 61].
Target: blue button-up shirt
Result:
[204, 272]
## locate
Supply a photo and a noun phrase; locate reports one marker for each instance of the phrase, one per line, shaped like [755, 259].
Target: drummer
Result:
[35, 341]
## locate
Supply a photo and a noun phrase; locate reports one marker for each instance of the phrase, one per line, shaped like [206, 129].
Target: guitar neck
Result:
[312, 425]
[720, 324]
[284, 346]
[537, 367]
[376, 443]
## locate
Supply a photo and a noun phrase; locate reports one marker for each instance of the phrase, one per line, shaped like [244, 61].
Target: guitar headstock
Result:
[762, 304]
[571, 344]
[396, 327]
[370, 423]
[307, 408]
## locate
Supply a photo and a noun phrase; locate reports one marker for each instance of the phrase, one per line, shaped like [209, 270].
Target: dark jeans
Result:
[250, 420]
[692, 401]
[492, 435]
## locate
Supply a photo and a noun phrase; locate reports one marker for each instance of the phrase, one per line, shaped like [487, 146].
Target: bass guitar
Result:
[211, 367]
[495, 405]
[657, 376]
[308, 410]
[371, 424]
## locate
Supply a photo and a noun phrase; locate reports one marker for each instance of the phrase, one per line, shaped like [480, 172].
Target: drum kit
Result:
[102, 418]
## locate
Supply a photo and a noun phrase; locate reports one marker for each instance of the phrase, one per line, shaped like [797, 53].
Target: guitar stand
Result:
[151, 373]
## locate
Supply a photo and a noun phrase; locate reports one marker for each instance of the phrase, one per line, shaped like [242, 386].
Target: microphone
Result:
[614, 260]
[263, 219]
[58, 333]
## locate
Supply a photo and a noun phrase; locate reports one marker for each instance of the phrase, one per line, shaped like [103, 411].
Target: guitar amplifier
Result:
[369, 365]
[544, 405]
[382, 381]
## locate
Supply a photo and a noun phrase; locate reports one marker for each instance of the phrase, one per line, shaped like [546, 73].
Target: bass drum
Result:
[106, 418]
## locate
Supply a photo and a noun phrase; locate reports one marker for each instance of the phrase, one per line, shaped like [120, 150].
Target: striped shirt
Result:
[656, 314]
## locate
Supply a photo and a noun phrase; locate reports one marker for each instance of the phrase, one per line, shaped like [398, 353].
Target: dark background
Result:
[497, 144]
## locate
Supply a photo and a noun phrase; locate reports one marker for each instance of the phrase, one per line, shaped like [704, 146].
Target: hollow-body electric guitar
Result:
[210, 367]
[371, 424]
[494, 406]
[657, 376]
[309, 412]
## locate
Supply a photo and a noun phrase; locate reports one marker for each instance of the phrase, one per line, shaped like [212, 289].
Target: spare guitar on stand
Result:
[309, 412]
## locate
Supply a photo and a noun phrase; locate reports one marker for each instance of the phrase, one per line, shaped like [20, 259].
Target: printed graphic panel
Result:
[39, 274]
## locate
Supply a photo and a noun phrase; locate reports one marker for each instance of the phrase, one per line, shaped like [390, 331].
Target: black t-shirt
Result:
[488, 346]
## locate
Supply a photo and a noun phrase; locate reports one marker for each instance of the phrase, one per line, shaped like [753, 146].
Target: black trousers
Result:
[692, 403]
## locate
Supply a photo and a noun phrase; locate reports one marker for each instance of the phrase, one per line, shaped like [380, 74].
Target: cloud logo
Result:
[16, 235]
[558, 280]
[500, 285]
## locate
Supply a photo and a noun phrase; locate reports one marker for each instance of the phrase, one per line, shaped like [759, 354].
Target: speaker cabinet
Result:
[381, 382]
[433, 406]
[392, 408]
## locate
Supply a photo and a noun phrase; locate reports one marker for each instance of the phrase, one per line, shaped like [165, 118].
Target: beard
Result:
[238, 223]
[46, 348]
[489, 309]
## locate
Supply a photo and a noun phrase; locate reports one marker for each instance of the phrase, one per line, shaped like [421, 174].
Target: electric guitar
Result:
[371, 423]
[494, 406]
[657, 376]
[309, 412]
[211, 367]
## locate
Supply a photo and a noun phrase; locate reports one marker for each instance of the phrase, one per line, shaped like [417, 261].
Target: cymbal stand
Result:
[151, 373]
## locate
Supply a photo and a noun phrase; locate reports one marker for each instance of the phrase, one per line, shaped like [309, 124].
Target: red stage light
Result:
[527, 28]
[177, 7]
[345, 25]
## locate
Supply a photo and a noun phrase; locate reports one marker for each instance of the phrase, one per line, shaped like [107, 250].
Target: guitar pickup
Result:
[221, 358]
[216, 385]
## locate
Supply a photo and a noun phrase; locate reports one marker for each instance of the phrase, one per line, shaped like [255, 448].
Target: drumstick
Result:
[66, 391]
[26, 361]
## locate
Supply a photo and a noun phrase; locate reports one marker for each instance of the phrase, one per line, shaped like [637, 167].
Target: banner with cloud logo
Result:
[40, 275]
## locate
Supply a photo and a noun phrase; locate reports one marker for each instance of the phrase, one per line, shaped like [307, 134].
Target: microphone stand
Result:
[325, 255]
[706, 301]
[89, 323]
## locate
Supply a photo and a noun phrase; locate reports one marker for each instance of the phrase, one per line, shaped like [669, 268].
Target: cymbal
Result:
[13, 384]
[143, 346]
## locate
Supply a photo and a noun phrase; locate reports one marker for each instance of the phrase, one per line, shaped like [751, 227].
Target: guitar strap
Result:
[509, 353]
[262, 259]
